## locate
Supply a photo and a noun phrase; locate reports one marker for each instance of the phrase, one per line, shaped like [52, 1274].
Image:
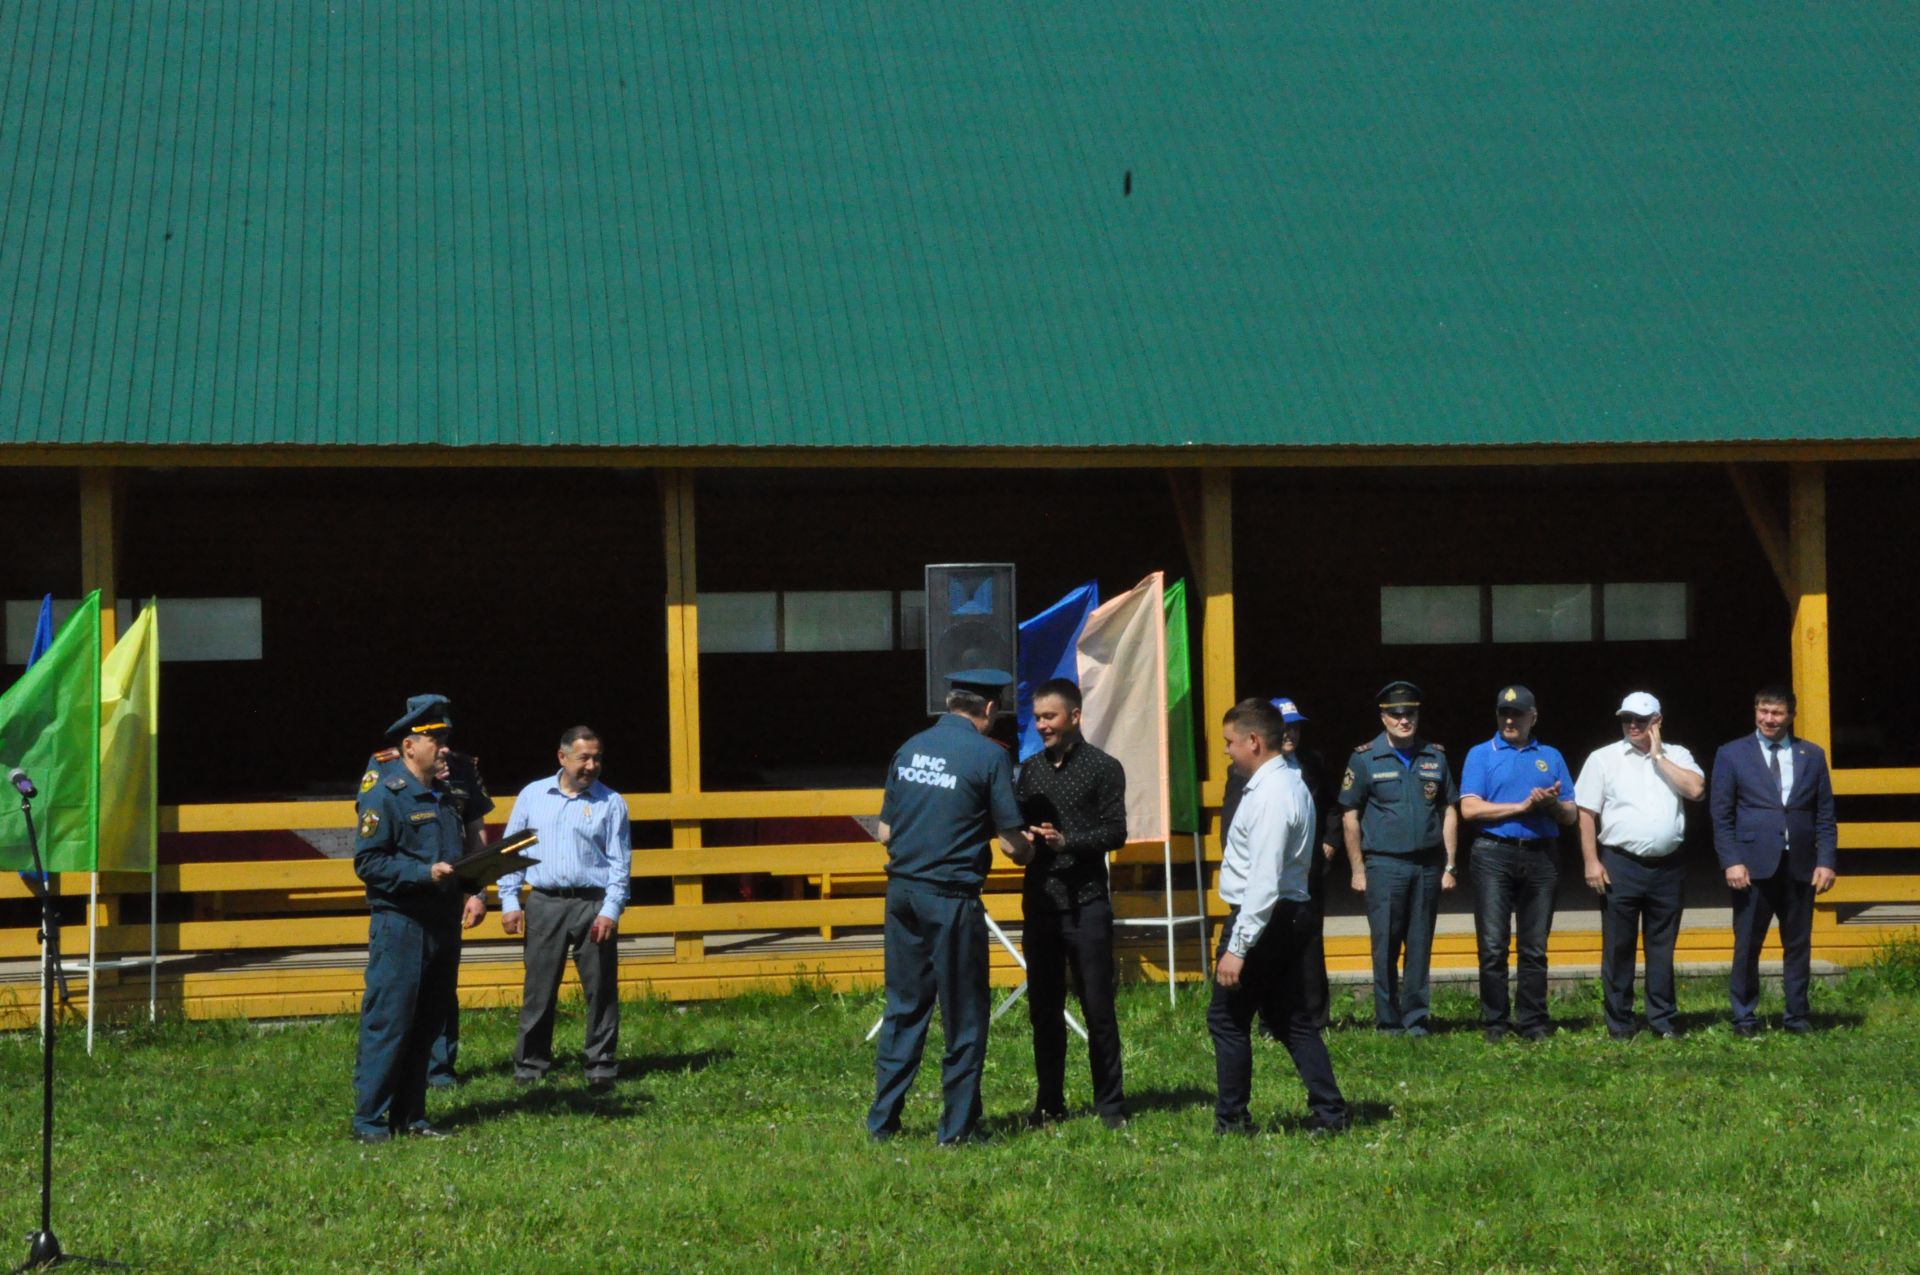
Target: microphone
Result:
[24, 786]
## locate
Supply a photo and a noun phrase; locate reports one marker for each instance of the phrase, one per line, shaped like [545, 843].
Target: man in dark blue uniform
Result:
[459, 775]
[949, 791]
[1400, 827]
[409, 835]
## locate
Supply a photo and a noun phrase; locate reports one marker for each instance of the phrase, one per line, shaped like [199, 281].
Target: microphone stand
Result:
[43, 1247]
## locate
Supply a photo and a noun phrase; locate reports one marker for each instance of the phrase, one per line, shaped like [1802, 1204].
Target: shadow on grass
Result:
[550, 1099]
[1360, 1115]
[630, 1068]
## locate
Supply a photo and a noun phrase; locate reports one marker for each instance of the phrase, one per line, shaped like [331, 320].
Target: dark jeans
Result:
[1641, 892]
[936, 949]
[410, 978]
[1753, 911]
[1271, 987]
[1513, 899]
[555, 925]
[1403, 898]
[1079, 939]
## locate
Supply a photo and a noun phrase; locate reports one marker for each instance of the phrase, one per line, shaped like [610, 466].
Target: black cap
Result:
[1399, 695]
[424, 713]
[1517, 698]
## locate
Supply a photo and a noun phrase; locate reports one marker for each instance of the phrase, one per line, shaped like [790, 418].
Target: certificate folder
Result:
[485, 866]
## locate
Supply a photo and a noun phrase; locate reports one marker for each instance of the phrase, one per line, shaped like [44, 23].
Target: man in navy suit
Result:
[1773, 830]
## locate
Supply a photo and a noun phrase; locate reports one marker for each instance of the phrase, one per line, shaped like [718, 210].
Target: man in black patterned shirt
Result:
[1074, 799]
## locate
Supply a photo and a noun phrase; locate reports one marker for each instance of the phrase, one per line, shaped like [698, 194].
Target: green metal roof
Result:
[833, 224]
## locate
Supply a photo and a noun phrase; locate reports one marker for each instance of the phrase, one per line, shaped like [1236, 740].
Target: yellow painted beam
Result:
[1767, 526]
[1218, 678]
[1886, 782]
[100, 546]
[683, 684]
[1874, 889]
[1807, 531]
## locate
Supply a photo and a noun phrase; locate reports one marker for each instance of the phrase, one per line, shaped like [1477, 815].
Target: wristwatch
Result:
[1449, 871]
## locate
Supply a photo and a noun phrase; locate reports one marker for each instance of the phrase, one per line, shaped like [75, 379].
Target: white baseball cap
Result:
[1639, 704]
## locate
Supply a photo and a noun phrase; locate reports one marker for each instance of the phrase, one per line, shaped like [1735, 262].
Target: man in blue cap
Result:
[459, 774]
[949, 791]
[409, 834]
[1518, 794]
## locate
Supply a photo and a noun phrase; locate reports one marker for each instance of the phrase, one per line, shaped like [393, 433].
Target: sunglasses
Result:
[1634, 719]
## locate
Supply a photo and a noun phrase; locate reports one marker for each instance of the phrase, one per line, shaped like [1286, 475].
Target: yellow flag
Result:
[129, 726]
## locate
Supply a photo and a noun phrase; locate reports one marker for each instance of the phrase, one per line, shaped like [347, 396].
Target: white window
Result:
[739, 622]
[192, 630]
[838, 620]
[1429, 615]
[1543, 613]
[1644, 612]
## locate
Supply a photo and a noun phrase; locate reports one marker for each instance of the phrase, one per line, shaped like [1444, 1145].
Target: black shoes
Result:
[603, 1085]
[424, 1130]
[1114, 1120]
[1241, 1128]
[1041, 1118]
[1318, 1127]
[373, 1139]
[1746, 1031]
[1494, 1035]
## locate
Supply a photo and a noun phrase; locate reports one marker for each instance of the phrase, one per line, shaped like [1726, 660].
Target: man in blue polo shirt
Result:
[1517, 793]
[949, 792]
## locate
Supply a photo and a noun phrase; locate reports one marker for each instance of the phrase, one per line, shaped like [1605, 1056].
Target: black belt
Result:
[1522, 842]
[1653, 859]
[572, 892]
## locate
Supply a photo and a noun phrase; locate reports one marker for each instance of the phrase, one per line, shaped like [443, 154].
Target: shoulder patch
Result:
[1347, 782]
[369, 823]
[1438, 748]
[387, 754]
[368, 780]
[397, 784]
[1361, 748]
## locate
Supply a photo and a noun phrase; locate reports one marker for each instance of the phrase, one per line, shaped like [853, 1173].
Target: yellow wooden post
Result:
[683, 685]
[100, 546]
[1807, 551]
[1218, 690]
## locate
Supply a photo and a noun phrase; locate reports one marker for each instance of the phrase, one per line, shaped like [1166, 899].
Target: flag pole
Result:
[93, 933]
[153, 944]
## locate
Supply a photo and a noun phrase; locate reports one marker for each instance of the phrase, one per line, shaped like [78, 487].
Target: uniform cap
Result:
[987, 683]
[1399, 695]
[424, 713]
[1289, 711]
[1517, 698]
[1639, 704]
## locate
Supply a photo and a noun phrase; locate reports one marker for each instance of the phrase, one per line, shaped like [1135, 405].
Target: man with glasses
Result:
[1399, 823]
[1630, 795]
[1775, 836]
[1519, 793]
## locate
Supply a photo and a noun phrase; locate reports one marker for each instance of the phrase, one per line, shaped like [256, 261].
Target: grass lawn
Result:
[734, 1143]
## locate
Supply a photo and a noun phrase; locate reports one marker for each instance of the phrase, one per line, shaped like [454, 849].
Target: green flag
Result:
[1183, 785]
[50, 728]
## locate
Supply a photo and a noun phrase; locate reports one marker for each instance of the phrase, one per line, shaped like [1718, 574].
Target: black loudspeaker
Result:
[970, 624]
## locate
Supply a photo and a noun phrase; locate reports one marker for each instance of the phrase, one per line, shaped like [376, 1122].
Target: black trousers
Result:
[556, 925]
[1513, 901]
[1643, 893]
[1753, 911]
[1077, 940]
[1272, 987]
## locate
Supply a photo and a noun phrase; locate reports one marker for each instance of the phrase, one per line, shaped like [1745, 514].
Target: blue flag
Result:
[42, 639]
[42, 632]
[1048, 649]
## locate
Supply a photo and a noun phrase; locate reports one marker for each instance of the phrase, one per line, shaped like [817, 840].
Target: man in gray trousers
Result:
[574, 898]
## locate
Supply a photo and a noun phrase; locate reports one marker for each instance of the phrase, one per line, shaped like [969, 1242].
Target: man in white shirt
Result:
[1631, 826]
[1271, 929]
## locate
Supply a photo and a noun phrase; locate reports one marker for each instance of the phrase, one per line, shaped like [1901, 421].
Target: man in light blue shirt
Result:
[1271, 930]
[575, 896]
